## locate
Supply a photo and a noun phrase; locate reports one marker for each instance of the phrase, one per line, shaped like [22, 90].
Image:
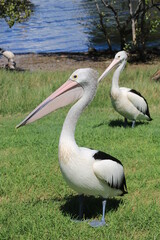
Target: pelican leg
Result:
[102, 222]
[80, 213]
[125, 122]
[133, 123]
[81, 201]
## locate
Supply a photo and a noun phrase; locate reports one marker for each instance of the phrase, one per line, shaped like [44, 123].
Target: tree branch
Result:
[103, 26]
[140, 8]
[114, 12]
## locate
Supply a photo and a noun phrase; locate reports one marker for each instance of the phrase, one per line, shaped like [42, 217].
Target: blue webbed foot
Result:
[101, 223]
[97, 223]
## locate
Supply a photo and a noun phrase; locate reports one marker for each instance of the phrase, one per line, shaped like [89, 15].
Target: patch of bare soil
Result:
[63, 61]
[53, 62]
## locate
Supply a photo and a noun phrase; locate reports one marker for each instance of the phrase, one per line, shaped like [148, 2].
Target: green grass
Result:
[35, 201]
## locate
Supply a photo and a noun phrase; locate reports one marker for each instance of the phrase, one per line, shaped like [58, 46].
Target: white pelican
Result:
[10, 57]
[127, 102]
[86, 171]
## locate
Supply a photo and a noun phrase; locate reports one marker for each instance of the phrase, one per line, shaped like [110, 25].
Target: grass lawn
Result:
[35, 201]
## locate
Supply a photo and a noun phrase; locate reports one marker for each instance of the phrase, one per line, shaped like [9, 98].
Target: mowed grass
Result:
[35, 201]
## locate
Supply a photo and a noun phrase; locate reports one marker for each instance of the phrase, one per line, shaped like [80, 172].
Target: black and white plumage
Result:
[112, 180]
[127, 102]
[87, 171]
[10, 57]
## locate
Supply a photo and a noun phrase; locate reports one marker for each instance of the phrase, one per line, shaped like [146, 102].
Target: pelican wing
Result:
[138, 101]
[110, 170]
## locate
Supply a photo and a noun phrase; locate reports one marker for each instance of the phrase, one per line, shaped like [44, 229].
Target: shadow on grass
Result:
[120, 123]
[92, 206]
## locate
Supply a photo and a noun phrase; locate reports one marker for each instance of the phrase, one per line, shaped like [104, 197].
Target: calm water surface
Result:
[55, 26]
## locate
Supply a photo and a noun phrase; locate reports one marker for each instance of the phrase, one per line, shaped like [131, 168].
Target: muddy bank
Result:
[52, 62]
[65, 61]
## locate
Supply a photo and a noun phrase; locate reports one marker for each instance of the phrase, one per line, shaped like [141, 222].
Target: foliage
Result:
[35, 201]
[14, 11]
[142, 20]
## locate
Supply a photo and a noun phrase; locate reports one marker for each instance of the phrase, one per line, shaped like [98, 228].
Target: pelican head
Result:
[84, 76]
[72, 90]
[120, 57]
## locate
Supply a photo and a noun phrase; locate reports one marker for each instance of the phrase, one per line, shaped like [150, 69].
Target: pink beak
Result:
[114, 63]
[68, 93]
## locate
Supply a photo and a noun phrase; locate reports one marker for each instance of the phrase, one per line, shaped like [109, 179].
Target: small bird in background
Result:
[10, 57]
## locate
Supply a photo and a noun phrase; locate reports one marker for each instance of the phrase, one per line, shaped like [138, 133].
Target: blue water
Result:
[55, 26]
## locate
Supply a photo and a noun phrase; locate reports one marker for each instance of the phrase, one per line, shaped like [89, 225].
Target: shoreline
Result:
[58, 61]
[70, 61]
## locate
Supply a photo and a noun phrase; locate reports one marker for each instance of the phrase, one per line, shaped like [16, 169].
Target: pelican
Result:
[10, 57]
[87, 171]
[127, 102]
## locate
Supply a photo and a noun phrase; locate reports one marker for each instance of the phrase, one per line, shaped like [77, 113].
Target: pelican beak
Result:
[114, 63]
[68, 93]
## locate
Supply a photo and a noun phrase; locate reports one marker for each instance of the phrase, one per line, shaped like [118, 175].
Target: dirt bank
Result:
[63, 61]
[52, 62]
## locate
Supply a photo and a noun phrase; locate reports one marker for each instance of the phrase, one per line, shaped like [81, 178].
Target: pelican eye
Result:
[75, 76]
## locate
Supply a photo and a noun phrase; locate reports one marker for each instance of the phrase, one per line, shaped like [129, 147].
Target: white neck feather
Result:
[68, 130]
[115, 79]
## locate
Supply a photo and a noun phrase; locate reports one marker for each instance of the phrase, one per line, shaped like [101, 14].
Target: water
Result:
[55, 26]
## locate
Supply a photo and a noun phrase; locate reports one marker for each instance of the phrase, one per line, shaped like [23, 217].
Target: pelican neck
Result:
[69, 125]
[116, 75]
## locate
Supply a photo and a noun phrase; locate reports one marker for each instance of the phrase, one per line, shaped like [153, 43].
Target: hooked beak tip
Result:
[20, 125]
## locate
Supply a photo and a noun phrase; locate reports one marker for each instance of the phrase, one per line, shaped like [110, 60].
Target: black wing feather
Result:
[104, 156]
[147, 110]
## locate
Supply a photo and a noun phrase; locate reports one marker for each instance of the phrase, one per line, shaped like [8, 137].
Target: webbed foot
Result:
[97, 223]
